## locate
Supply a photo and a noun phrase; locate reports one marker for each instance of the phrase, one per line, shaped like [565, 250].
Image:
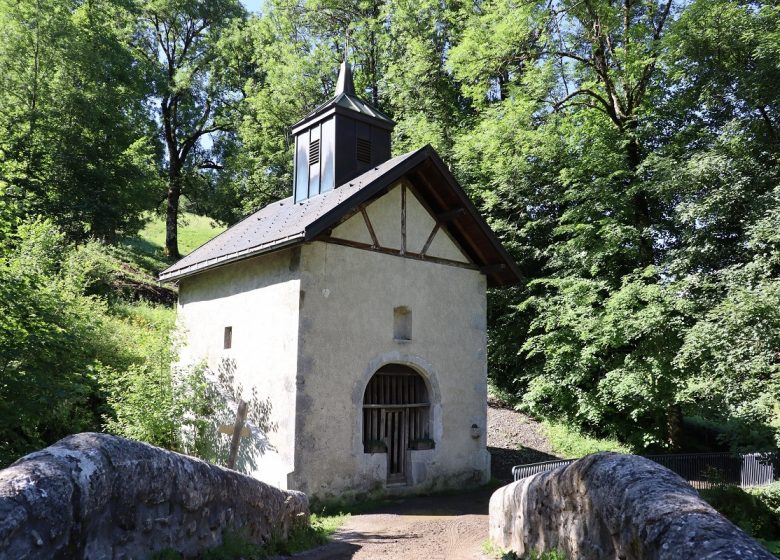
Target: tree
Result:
[418, 90]
[179, 39]
[76, 138]
[624, 151]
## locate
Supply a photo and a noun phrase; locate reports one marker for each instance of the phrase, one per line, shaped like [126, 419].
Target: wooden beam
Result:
[466, 244]
[492, 268]
[403, 217]
[374, 240]
[397, 253]
[430, 239]
[450, 215]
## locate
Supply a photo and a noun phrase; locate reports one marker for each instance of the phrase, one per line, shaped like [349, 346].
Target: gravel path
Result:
[443, 527]
[514, 438]
[429, 527]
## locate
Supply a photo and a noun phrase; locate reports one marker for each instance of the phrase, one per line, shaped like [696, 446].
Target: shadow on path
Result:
[502, 460]
[443, 526]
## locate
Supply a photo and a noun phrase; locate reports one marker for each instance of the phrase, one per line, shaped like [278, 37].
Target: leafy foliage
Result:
[182, 409]
[76, 356]
[76, 143]
[755, 511]
[629, 160]
[51, 345]
[626, 154]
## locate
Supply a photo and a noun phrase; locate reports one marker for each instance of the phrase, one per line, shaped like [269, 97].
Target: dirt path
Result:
[424, 527]
[452, 527]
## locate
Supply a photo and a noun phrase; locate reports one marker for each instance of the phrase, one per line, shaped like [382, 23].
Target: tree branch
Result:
[589, 92]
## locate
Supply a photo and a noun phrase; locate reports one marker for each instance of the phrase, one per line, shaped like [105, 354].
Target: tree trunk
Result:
[674, 426]
[172, 214]
[640, 203]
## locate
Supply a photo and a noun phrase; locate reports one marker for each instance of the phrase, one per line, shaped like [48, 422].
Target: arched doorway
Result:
[396, 417]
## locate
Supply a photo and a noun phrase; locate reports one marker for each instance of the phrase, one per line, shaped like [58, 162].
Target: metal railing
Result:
[701, 470]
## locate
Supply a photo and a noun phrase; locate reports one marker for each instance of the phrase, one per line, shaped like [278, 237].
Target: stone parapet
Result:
[609, 505]
[96, 496]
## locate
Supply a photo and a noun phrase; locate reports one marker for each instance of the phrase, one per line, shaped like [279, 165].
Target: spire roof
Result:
[345, 97]
[345, 83]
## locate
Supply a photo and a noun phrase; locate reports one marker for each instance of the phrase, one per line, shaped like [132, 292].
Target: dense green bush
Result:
[66, 337]
[756, 511]
[51, 345]
[76, 355]
[150, 398]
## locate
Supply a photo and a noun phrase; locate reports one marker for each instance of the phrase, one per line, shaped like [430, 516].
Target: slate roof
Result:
[285, 223]
[276, 225]
[351, 102]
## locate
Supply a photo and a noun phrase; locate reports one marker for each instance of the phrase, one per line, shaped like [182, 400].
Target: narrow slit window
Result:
[228, 340]
[402, 323]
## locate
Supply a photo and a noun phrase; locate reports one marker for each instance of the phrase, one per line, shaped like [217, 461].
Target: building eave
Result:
[210, 264]
[328, 112]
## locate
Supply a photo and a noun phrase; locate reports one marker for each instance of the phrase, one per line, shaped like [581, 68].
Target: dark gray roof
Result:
[285, 223]
[351, 102]
[277, 225]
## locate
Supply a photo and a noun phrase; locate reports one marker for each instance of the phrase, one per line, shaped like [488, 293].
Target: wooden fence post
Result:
[237, 429]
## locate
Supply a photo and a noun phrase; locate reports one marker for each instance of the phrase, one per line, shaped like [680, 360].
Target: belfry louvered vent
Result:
[364, 150]
[314, 152]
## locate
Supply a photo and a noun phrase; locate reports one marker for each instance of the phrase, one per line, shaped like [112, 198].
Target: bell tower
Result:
[339, 140]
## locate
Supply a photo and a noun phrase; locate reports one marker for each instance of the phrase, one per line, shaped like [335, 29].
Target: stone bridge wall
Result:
[608, 506]
[96, 496]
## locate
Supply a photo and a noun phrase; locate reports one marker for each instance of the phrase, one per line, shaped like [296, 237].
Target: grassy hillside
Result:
[144, 251]
[194, 231]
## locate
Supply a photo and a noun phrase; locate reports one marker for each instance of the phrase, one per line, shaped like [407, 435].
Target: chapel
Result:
[358, 307]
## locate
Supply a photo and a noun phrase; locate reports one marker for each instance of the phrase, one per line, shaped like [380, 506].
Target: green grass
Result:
[236, 547]
[144, 252]
[499, 553]
[571, 444]
[194, 231]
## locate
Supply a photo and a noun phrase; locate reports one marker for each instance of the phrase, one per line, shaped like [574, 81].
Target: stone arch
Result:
[421, 366]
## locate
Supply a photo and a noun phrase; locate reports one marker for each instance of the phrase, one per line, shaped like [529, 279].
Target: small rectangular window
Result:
[402, 323]
[228, 342]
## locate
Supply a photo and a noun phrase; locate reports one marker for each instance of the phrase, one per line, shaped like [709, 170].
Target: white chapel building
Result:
[358, 305]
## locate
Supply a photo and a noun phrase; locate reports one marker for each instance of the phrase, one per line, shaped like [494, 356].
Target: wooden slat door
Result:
[395, 437]
[395, 411]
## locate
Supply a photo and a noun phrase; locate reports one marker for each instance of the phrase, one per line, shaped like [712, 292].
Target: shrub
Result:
[756, 512]
[49, 349]
[572, 444]
[62, 340]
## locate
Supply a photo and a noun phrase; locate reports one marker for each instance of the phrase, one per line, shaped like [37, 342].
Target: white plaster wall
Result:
[346, 319]
[354, 229]
[419, 223]
[259, 298]
[385, 216]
